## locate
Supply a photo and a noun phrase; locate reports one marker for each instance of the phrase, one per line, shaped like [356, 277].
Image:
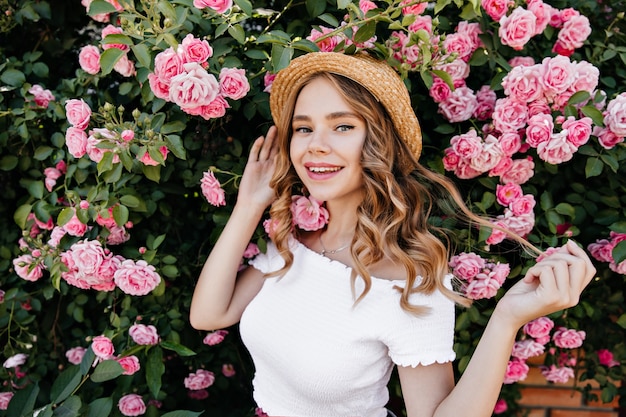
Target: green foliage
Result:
[169, 223]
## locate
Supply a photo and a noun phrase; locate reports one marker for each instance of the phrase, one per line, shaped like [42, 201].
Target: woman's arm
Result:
[551, 285]
[220, 296]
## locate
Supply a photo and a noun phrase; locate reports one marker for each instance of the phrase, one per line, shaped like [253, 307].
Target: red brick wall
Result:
[543, 399]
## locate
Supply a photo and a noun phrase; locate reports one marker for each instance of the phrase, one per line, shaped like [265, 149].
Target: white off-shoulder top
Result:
[317, 354]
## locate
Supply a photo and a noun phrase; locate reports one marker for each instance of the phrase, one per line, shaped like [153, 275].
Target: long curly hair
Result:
[393, 219]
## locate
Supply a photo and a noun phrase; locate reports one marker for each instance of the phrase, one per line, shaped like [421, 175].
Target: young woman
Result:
[326, 314]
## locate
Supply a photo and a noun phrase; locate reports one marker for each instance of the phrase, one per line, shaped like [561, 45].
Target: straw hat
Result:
[377, 76]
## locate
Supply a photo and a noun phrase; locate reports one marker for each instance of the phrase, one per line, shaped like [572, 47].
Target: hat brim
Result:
[377, 76]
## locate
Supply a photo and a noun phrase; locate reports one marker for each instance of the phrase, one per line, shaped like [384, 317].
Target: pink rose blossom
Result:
[440, 90]
[168, 64]
[459, 106]
[539, 329]
[424, 22]
[466, 265]
[489, 156]
[460, 44]
[233, 83]
[193, 87]
[578, 130]
[568, 338]
[414, 9]
[201, 379]
[125, 67]
[268, 79]
[517, 28]
[557, 150]
[251, 251]
[117, 235]
[127, 135]
[497, 235]
[557, 375]
[308, 213]
[366, 5]
[102, 347]
[520, 171]
[486, 99]
[78, 113]
[146, 159]
[527, 348]
[510, 143]
[558, 75]
[516, 370]
[496, 8]
[144, 334]
[89, 59]
[195, 50]
[522, 205]
[136, 278]
[75, 355]
[52, 175]
[131, 405]
[220, 6]
[228, 370]
[605, 357]
[211, 189]
[42, 96]
[215, 338]
[15, 360]
[75, 227]
[130, 364]
[507, 193]
[615, 115]
[327, 44]
[573, 34]
[457, 69]
[523, 83]
[5, 399]
[113, 30]
[27, 268]
[467, 145]
[602, 250]
[482, 287]
[522, 60]
[500, 407]
[509, 115]
[215, 109]
[76, 141]
[539, 129]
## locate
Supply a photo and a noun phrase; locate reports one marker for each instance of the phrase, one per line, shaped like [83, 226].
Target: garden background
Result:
[124, 128]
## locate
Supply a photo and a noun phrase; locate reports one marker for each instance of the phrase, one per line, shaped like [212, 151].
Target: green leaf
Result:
[109, 58]
[8, 162]
[245, 6]
[117, 38]
[23, 402]
[579, 97]
[315, 7]
[172, 127]
[65, 384]
[167, 9]
[130, 200]
[305, 45]
[120, 214]
[155, 370]
[65, 216]
[365, 32]
[281, 57]
[13, 77]
[180, 349]
[100, 7]
[142, 53]
[175, 144]
[107, 370]
[69, 408]
[619, 252]
[622, 321]
[101, 407]
[330, 19]
[566, 209]
[182, 413]
[87, 362]
[593, 167]
[596, 115]
[343, 4]
[21, 215]
[153, 173]
[237, 32]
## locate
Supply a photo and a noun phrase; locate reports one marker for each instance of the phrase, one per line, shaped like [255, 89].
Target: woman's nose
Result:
[319, 142]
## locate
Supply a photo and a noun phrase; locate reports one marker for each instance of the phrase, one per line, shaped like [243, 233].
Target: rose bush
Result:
[125, 125]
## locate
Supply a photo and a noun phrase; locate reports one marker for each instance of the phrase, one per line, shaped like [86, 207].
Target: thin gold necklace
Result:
[332, 252]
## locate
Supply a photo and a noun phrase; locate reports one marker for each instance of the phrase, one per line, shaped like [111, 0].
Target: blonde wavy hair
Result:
[400, 196]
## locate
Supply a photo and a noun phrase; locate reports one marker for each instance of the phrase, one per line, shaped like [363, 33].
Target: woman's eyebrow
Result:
[331, 116]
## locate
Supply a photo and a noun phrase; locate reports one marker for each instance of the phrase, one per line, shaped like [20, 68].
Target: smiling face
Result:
[327, 143]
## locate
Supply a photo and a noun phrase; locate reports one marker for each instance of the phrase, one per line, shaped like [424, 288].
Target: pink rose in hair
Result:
[220, 6]
[568, 338]
[75, 355]
[136, 278]
[131, 405]
[130, 364]
[102, 347]
[212, 190]
[557, 374]
[233, 83]
[201, 379]
[144, 334]
[516, 370]
[78, 113]
[308, 213]
[517, 28]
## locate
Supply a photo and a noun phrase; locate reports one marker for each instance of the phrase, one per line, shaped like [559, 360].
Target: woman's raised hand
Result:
[254, 188]
[552, 284]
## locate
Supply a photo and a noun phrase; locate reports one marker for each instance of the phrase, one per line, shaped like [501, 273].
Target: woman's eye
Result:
[344, 128]
[302, 129]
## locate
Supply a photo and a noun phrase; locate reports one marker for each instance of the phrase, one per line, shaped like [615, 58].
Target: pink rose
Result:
[509, 115]
[574, 33]
[43, 97]
[212, 190]
[125, 66]
[483, 286]
[146, 159]
[52, 175]
[27, 268]
[117, 235]
[268, 79]
[586, 77]
[524, 83]
[520, 171]
[5, 399]
[89, 59]
[557, 150]
[78, 113]
[602, 250]
[201, 379]
[507, 193]
[497, 235]
[102, 347]
[75, 227]
[159, 88]
[489, 156]
[130, 364]
[131, 405]
[516, 370]
[605, 357]
[500, 407]
[510, 143]
[459, 43]
[251, 251]
[168, 64]
[195, 50]
[568, 338]
[440, 90]
[233, 83]
[457, 69]
[15, 360]
[527, 348]
[578, 130]
[517, 28]
[366, 5]
[414, 9]
[215, 338]
[522, 205]
[558, 75]
[327, 44]
[459, 106]
[215, 109]
[136, 278]
[506, 162]
[220, 6]
[76, 141]
[113, 30]
[194, 87]
[557, 375]
[466, 265]
[522, 225]
[522, 60]
[615, 115]
[539, 129]
[424, 22]
[308, 213]
[228, 370]
[539, 329]
[75, 355]
[144, 334]
[467, 145]
[496, 8]
[451, 159]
